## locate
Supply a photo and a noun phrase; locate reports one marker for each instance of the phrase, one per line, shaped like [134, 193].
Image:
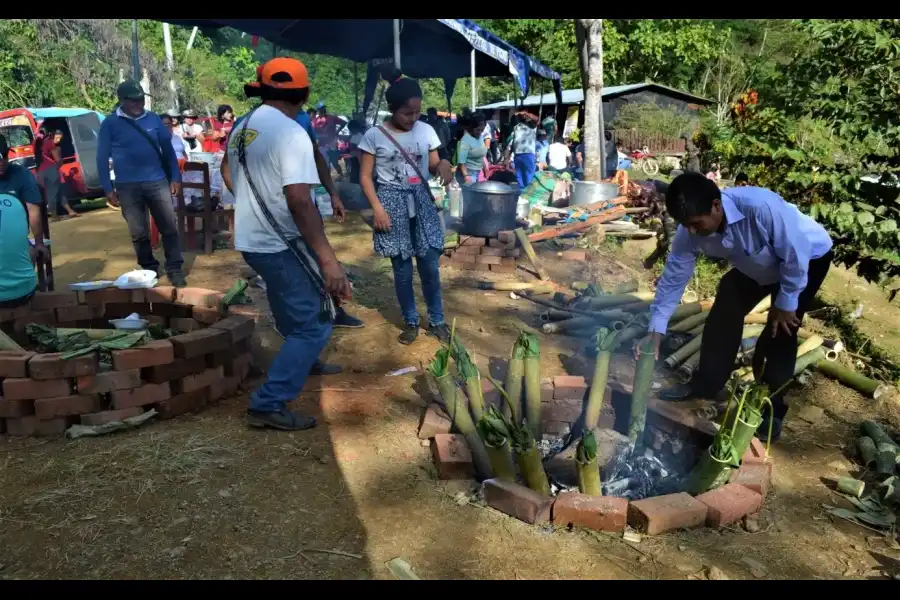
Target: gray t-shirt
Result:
[390, 166]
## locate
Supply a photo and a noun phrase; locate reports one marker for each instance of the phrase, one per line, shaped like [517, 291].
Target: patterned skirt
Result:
[408, 238]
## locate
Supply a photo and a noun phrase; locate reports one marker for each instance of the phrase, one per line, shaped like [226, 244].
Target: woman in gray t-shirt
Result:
[406, 220]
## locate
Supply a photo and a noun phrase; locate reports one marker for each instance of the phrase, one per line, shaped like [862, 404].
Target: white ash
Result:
[640, 477]
[552, 445]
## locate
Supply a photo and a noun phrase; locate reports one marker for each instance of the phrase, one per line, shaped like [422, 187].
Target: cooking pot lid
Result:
[491, 187]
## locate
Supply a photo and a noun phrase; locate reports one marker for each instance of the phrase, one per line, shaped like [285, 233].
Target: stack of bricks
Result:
[562, 402]
[494, 254]
[42, 394]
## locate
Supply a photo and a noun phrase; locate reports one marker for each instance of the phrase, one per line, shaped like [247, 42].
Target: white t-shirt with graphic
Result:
[279, 153]
[390, 166]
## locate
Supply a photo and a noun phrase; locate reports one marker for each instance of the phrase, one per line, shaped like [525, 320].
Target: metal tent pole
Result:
[135, 52]
[170, 64]
[603, 172]
[474, 94]
[397, 44]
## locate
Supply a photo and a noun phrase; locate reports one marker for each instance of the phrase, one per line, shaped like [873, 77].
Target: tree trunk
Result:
[592, 83]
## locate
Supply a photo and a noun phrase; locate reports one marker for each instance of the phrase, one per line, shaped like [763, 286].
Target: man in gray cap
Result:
[147, 176]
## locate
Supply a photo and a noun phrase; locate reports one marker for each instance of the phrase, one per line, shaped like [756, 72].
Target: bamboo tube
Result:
[686, 371]
[598, 386]
[626, 287]
[514, 286]
[533, 386]
[533, 470]
[862, 384]
[804, 361]
[762, 306]
[515, 372]
[689, 296]
[687, 310]
[850, 486]
[809, 344]
[617, 325]
[698, 330]
[577, 324]
[643, 380]
[690, 322]
[555, 314]
[683, 353]
[93, 334]
[501, 461]
[610, 301]
[866, 450]
[459, 412]
[529, 252]
[631, 235]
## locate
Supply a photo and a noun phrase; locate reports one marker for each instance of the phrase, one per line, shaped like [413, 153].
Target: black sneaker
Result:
[409, 334]
[177, 280]
[320, 368]
[441, 332]
[342, 319]
[283, 419]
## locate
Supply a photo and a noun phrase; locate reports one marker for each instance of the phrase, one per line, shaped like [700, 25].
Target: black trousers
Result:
[774, 357]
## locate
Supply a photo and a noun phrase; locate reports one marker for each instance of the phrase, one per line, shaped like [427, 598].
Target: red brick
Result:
[224, 387]
[157, 320]
[488, 251]
[14, 364]
[161, 293]
[462, 257]
[199, 381]
[101, 297]
[184, 325]
[51, 300]
[569, 386]
[25, 388]
[488, 260]
[434, 421]
[444, 260]
[66, 406]
[111, 416]
[237, 327]
[183, 403]
[149, 393]
[594, 512]
[662, 514]
[566, 411]
[222, 357]
[471, 240]
[38, 317]
[203, 341]
[496, 243]
[512, 253]
[53, 366]
[172, 311]
[577, 255]
[11, 409]
[239, 367]
[199, 297]
[157, 352]
[103, 383]
[555, 427]
[177, 369]
[28, 426]
[207, 316]
[729, 503]
[19, 312]
[490, 394]
[452, 457]
[546, 389]
[503, 268]
[517, 501]
[508, 262]
[251, 312]
[80, 312]
[756, 452]
[479, 266]
[120, 310]
[507, 237]
[754, 476]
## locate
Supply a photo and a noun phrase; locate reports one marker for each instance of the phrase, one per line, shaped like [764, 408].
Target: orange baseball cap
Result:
[283, 73]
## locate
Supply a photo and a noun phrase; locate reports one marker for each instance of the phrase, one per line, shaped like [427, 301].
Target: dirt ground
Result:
[204, 497]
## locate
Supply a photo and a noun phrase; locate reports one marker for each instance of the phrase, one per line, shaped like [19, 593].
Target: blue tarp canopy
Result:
[428, 47]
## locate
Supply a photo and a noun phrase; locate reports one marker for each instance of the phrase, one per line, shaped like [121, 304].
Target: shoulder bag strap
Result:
[314, 275]
[162, 161]
[409, 161]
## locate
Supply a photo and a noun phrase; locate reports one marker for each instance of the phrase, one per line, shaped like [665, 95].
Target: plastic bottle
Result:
[455, 199]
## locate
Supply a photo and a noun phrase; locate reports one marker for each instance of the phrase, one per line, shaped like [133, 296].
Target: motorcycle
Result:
[644, 160]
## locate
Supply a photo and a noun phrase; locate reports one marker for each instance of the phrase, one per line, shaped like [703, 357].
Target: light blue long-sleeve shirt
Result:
[765, 238]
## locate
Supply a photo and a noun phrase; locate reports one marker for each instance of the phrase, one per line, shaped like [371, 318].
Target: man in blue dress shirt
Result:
[774, 249]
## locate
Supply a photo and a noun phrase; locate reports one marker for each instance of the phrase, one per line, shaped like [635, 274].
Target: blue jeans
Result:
[525, 165]
[430, 275]
[297, 307]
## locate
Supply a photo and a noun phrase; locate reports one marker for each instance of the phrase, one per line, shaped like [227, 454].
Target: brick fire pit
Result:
[42, 394]
[674, 433]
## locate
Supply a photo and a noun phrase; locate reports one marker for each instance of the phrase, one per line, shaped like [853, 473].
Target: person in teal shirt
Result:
[20, 209]
[470, 151]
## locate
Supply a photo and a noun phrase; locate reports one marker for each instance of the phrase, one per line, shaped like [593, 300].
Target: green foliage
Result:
[829, 120]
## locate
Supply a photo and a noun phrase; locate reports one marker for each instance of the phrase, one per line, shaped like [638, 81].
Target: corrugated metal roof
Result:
[576, 96]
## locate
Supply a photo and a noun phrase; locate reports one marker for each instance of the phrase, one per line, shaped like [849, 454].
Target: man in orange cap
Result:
[281, 235]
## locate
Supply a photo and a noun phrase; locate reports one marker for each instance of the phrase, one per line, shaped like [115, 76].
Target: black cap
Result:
[130, 90]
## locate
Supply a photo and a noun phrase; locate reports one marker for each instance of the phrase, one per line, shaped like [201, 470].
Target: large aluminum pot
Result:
[488, 207]
[588, 192]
